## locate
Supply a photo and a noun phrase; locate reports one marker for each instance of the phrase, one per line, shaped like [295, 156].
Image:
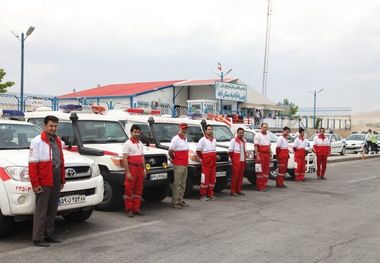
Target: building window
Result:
[227, 109]
[142, 104]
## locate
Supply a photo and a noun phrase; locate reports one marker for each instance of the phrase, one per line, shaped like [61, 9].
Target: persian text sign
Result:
[230, 91]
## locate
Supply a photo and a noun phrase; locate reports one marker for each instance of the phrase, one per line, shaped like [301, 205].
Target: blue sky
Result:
[334, 45]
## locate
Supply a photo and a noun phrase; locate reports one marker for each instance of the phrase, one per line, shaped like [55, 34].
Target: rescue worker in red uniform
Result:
[238, 158]
[206, 151]
[322, 149]
[299, 147]
[282, 153]
[134, 163]
[47, 176]
[263, 156]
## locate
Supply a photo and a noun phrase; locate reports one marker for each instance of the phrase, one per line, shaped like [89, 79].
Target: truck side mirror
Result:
[66, 140]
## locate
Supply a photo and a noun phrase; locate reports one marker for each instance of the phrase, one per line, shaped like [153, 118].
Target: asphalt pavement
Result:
[334, 220]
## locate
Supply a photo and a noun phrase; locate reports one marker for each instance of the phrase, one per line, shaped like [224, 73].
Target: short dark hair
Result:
[286, 128]
[320, 129]
[50, 118]
[262, 124]
[208, 125]
[135, 128]
[301, 130]
[240, 129]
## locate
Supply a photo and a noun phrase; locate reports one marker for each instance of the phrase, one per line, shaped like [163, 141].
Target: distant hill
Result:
[366, 120]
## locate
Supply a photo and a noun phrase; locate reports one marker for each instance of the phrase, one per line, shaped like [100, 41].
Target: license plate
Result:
[220, 174]
[72, 199]
[158, 176]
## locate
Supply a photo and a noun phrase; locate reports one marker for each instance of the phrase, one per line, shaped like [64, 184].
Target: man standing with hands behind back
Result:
[263, 155]
[179, 153]
[238, 157]
[47, 176]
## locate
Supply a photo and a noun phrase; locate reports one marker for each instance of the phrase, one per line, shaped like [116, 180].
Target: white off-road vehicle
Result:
[83, 189]
[101, 139]
[159, 131]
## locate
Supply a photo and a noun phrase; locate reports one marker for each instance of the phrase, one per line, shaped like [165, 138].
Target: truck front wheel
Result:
[78, 216]
[112, 197]
[220, 184]
[155, 194]
[6, 223]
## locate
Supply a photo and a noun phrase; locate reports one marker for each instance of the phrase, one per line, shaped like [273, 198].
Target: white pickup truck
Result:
[83, 189]
[101, 138]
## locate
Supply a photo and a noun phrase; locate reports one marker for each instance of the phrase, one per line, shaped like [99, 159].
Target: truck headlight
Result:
[250, 154]
[18, 173]
[95, 171]
[193, 156]
[147, 166]
[118, 161]
[165, 165]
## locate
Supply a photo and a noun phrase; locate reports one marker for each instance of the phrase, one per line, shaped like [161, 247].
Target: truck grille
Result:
[77, 172]
[86, 192]
[156, 161]
[223, 157]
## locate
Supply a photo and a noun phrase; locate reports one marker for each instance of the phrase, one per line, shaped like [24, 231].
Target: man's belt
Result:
[55, 166]
[136, 164]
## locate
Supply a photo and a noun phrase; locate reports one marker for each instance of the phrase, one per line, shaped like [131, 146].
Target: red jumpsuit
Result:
[133, 187]
[206, 150]
[299, 158]
[282, 153]
[263, 143]
[238, 158]
[322, 149]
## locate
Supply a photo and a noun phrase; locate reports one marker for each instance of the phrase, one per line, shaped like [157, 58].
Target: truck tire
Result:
[220, 184]
[112, 197]
[273, 174]
[155, 194]
[251, 178]
[189, 187]
[292, 173]
[6, 223]
[343, 152]
[78, 216]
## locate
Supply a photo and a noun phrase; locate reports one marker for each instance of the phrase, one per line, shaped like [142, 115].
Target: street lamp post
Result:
[22, 40]
[315, 93]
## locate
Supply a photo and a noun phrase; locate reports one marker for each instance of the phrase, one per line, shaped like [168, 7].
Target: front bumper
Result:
[21, 199]
[117, 177]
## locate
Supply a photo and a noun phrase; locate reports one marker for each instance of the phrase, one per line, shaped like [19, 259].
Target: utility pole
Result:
[315, 93]
[266, 52]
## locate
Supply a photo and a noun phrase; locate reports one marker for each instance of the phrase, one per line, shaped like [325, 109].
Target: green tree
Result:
[5, 85]
[291, 108]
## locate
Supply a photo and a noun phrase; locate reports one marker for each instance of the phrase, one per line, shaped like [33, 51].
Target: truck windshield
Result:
[164, 132]
[17, 136]
[222, 133]
[101, 131]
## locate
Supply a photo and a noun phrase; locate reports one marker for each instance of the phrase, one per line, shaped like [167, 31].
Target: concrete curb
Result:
[354, 158]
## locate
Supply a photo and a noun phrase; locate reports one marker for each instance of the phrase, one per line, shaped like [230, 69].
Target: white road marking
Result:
[362, 179]
[80, 238]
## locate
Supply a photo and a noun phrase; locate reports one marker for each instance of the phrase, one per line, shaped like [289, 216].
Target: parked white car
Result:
[355, 142]
[338, 145]
[83, 189]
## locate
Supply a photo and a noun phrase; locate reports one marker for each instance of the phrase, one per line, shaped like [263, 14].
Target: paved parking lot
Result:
[336, 220]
